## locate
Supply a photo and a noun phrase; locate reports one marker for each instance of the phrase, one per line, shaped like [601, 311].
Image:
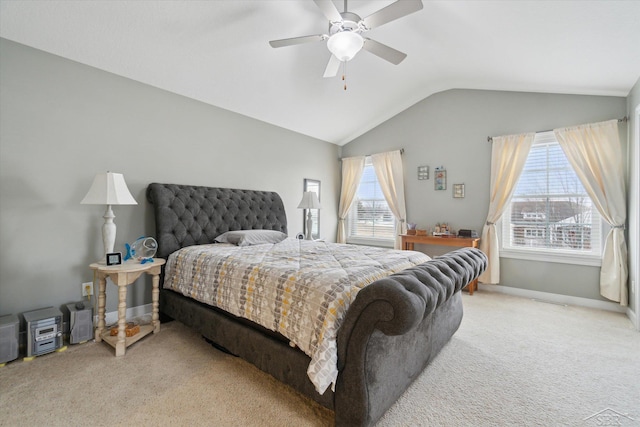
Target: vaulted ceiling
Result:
[217, 52]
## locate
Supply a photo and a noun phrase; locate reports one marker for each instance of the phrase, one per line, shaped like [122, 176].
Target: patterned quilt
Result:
[299, 288]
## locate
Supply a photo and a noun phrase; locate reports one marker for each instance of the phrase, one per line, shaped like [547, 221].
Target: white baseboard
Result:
[555, 298]
[634, 318]
[132, 312]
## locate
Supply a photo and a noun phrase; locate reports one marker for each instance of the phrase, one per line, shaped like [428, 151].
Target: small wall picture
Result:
[440, 178]
[458, 191]
[423, 172]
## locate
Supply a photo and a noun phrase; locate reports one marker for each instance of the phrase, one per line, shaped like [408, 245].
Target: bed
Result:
[390, 330]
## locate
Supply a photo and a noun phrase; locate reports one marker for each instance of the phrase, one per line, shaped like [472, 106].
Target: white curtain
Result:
[352, 168]
[388, 167]
[595, 153]
[508, 156]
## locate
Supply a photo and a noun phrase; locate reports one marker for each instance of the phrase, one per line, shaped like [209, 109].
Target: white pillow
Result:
[251, 237]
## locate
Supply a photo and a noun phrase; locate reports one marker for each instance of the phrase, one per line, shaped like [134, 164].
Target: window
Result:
[312, 185]
[534, 233]
[370, 220]
[550, 216]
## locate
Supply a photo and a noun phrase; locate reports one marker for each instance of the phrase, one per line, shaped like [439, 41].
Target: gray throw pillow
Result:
[251, 237]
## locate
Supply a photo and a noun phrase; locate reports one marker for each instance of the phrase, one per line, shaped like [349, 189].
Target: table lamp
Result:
[309, 201]
[108, 189]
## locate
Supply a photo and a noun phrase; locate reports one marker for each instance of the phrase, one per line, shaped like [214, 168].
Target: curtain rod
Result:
[401, 152]
[369, 155]
[622, 120]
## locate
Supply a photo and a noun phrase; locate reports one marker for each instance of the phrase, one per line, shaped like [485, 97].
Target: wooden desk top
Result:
[460, 242]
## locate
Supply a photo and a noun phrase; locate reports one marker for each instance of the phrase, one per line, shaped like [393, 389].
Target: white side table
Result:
[122, 276]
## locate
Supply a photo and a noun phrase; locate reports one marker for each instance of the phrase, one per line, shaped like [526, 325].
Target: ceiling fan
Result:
[345, 38]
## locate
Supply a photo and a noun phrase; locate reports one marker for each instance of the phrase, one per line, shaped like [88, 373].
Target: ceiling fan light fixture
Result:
[344, 45]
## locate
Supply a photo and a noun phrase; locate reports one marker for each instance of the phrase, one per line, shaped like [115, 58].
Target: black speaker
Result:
[9, 335]
[468, 233]
[80, 322]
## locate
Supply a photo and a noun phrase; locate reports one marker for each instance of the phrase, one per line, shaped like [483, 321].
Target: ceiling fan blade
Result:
[297, 40]
[383, 51]
[332, 67]
[392, 12]
[329, 10]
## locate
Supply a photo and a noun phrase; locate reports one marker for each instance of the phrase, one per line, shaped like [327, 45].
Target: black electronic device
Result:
[468, 233]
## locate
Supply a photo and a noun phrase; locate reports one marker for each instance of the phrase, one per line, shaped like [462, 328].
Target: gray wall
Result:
[62, 122]
[633, 102]
[450, 129]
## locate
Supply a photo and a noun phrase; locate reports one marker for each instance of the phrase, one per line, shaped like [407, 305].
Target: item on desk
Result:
[411, 228]
[468, 233]
[441, 230]
[421, 232]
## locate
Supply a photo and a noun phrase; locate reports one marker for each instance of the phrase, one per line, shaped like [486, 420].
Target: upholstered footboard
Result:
[394, 328]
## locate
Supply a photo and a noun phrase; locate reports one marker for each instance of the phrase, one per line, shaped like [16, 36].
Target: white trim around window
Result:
[383, 243]
[372, 229]
[544, 255]
[591, 257]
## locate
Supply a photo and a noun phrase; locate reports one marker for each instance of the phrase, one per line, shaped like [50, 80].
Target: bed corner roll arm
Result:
[394, 309]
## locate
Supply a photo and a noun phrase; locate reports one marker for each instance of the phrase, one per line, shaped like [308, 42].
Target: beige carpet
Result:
[513, 362]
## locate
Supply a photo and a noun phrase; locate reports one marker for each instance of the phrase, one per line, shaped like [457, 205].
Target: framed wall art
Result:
[423, 172]
[440, 180]
[458, 191]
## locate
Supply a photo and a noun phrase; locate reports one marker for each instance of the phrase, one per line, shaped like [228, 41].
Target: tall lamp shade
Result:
[108, 189]
[309, 201]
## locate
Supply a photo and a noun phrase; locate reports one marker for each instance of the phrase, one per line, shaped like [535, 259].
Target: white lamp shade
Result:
[345, 44]
[309, 201]
[109, 189]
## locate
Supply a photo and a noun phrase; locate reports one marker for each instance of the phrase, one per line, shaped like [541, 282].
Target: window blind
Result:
[370, 216]
[550, 209]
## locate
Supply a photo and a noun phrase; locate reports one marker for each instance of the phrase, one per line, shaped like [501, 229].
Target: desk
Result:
[122, 276]
[408, 240]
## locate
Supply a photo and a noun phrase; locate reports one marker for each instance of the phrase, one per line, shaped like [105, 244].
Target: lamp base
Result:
[308, 235]
[108, 232]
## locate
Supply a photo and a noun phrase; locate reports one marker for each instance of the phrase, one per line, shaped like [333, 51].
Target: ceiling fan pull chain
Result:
[344, 74]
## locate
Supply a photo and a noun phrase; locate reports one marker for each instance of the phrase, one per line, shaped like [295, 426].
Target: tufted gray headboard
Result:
[190, 215]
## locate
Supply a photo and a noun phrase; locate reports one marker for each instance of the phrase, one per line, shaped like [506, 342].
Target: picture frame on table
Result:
[114, 258]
